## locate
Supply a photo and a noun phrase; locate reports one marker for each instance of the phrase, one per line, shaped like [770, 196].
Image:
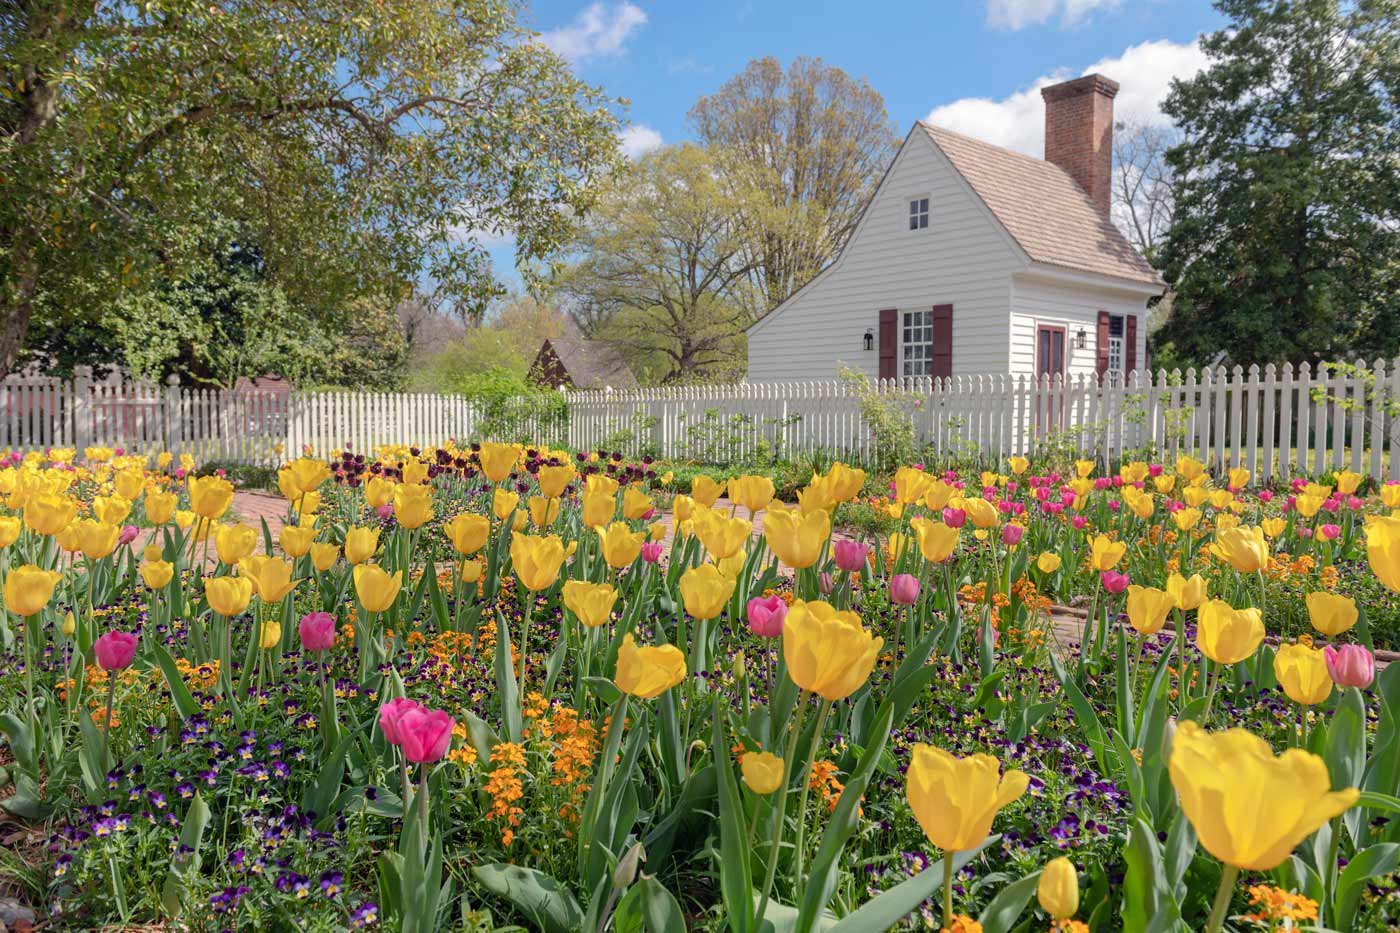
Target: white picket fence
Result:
[1276, 421]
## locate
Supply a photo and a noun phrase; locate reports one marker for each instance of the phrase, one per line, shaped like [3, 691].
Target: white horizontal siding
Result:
[964, 258]
[1071, 306]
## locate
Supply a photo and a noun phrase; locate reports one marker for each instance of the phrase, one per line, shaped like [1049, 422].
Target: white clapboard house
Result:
[973, 259]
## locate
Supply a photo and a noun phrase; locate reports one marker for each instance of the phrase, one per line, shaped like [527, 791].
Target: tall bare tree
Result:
[803, 150]
[1143, 204]
[662, 271]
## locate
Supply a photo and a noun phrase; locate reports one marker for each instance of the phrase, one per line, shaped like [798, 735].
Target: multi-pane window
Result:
[918, 214]
[917, 345]
[1115, 343]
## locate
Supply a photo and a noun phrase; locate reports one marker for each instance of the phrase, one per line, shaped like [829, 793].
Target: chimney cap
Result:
[1090, 83]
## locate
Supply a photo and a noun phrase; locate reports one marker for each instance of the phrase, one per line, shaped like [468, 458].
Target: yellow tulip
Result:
[413, 506]
[1195, 496]
[1084, 468]
[682, 508]
[722, 537]
[1308, 506]
[324, 555]
[762, 771]
[817, 496]
[981, 513]
[591, 603]
[10, 527]
[1382, 548]
[1348, 482]
[1190, 467]
[599, 507]
[1301, 671]
[1164, 483]
[307, 474]
[845, 481]
[468, 532]
[1104, 553]
[1048, 562]
[49, 513]
[955, 799]
[1148, 608]
[656, 531]
[537, 560]
[1250, 808]
[621, 544]
[497, 460]
[910, 485]
[937, 541]
[160, 507]
[70, 539]
[705, 590]
[210, 496]
[29, 588]
[474, 570]
[1058, 889]
[96, 539]
[649, 671]
[1273, 527]
[184, 518]
[1221, 499]
[414, 472]
[797, 539]
[1227, 635]
[1238, 477]
[379, 491]
[1390, 495]
[360, 544]
[543, 511]
[1018, 465]
[752, 492]
[269, 634]
[1187, 594]
[636, 504]
[553, 479]
[705, 490]
[376, 587]
[1139, 502]
[157, 574]
[296, 540]
[939, 494]
[503, 503]
[271, 577]
[1134, 472]
[828, 652]
[1187, 518]
[111, 510]
[228, 596]
[1243, 548]
[235, 542]
[897, 545]
[1331, 614]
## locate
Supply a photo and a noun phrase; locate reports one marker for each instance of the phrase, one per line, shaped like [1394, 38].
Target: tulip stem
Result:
[781, 810]
[107, 719]
[806, 778]
[1228, 876]
[948, 890]
[423, 804]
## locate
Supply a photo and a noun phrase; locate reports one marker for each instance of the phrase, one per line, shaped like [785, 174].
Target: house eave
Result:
[1061, 275]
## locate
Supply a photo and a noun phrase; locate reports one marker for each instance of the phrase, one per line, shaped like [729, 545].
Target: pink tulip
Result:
[424, 734]
[766, 616]
[391, 713]
[129, 534]
[1115, 582]
[1011, 535]
[826, 584]
[385, 512]
[904, 589]
[651, 551]
[1079, 522]
[1350, 665]
[851, 555]
[1328, 532]
[1266, 495]
[115, 650]
[1154, 470]
[954, 518]
[317, 631]
[1114, 505]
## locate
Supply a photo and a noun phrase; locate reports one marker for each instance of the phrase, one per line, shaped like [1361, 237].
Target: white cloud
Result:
[1018, 120]
[1018, 14]
[638, 139]
[599, 31]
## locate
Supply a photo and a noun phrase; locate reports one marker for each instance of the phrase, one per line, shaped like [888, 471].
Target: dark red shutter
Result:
[1129, 344]
[1103, 344]
[942, 341]
[889, 343]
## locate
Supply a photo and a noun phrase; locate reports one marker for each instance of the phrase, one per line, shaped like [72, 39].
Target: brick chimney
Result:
[1079, 133]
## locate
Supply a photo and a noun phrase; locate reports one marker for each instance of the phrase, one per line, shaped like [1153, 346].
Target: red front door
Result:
[1049, 363]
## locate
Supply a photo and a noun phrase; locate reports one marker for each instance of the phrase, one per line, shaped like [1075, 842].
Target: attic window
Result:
[918, 214]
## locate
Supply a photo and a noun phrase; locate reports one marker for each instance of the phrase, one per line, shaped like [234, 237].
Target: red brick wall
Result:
[1079, 133]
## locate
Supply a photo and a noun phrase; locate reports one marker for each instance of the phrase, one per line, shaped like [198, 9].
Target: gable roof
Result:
[1043, 209]
[589, 363]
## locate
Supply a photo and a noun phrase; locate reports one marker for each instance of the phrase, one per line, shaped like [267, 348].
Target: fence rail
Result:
[1276, 421]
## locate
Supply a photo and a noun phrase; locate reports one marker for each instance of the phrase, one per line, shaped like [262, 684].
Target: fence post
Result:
[82, 407]
[171, 418]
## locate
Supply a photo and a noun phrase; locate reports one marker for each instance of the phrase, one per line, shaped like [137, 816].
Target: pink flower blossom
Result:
[954, 518]
[391, 713]
[1350, 665]
[651, 551]
[904, 589]
[1114, 582]
[766, 616]
[317, 631]
[115, 650]
[850, 555]
[424, 734]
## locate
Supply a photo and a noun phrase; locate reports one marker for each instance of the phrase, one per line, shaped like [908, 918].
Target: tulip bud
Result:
[1058, 889]
[69, 624]
[1114, 582]
[1350, 665]
[766, 616]
[904, 589]
[626, 871]
[850, 555]
[651, 551]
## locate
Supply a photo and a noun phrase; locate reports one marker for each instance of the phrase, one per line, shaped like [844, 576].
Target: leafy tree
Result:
[1284, 244]
[352, 140]
[662, 269]
[802, 150]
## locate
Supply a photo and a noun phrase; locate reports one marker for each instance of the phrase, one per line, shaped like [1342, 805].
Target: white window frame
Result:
[916, 342]
[918, 212]
[1117, 343]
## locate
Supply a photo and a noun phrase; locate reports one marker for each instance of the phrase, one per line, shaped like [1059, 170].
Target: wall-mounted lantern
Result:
[1081, 339]
[869, 338]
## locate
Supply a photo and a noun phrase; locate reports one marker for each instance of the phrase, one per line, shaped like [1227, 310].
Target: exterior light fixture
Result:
[869, 338]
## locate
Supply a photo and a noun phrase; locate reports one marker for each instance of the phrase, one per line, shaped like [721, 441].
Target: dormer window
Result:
[918, 214]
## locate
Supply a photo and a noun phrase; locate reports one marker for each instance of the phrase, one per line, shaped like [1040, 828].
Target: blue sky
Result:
[972, 65]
